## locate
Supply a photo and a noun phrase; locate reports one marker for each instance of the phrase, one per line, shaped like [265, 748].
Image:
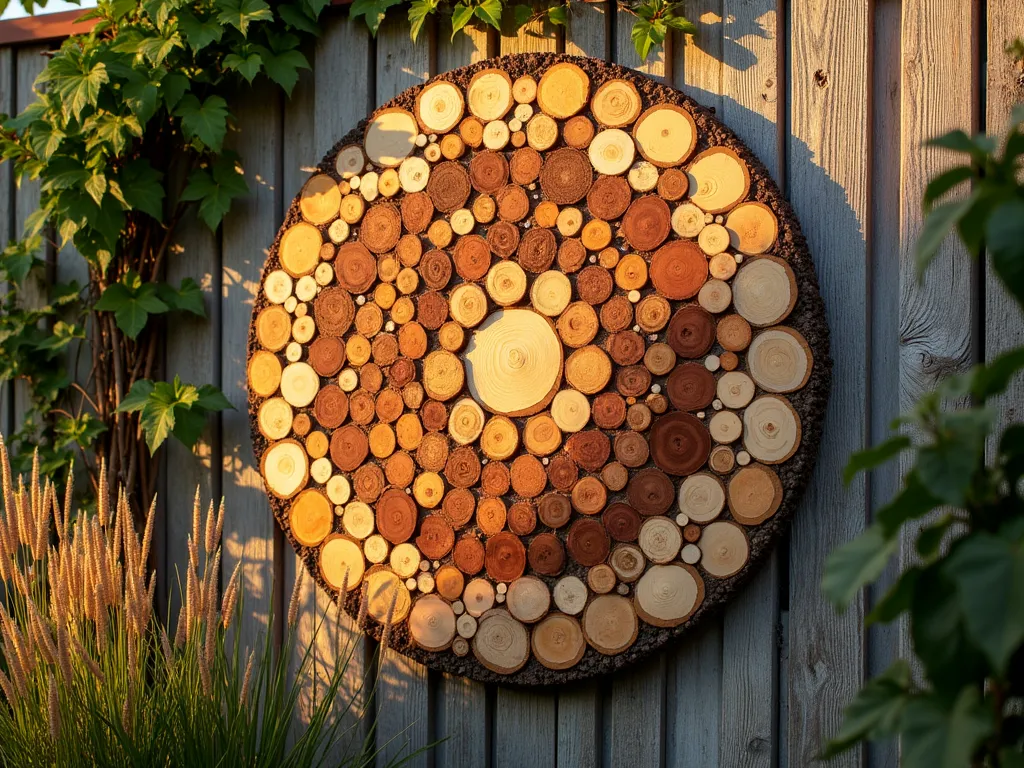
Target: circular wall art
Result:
[537, 368]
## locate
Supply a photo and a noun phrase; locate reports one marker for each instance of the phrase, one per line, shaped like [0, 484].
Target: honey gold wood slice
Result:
[610, 624]
[665, 135]
[341, 562]
[563, 90]
[439, 106]
[718, 180]
[390, 137]
[558, 642]
[489, 95]
[755, 494]
[616, 103]
[319, 199]
[753, 228]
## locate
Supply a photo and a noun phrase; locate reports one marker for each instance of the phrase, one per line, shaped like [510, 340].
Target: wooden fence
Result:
[836, 98]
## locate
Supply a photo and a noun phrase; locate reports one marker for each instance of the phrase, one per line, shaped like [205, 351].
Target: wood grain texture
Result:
[579, 727]
[402, 684]
[636, 717]
[827, 152]
[345, 46]
[587, 33]
[694, 709]
[535, 36]
[1004, 324]
[657, 64]
[468, 47]
[524, 729]
[247, 232]
[7, 193]
[697, 64]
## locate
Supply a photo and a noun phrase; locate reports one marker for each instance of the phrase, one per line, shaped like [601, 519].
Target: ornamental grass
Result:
[89, 676]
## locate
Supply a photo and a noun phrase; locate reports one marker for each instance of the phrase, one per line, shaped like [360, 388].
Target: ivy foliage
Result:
[128, 135]
[962, 503]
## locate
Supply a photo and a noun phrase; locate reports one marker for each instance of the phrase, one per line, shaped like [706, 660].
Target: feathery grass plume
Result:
[193, 541]
[293, 604]
[210, 530]
[227, 606]
[364, 605]
[53, 708]
[244, 694]
[386, 634]
[165, 646]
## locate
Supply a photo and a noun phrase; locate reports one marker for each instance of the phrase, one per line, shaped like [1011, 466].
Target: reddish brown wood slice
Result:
[417, 212]
[525, 165]
[469, 555]
[546, 554]
[380, 228]
[448, 186]
[590, 449]
[505, 557]
[691, 331]
[691, 387]
[327, 355]
[680, 443]
[396, 516]
[566, 176]
[621, 521]
[679, 269]
[588, 542]
[488, 172]
[503, 238]
[650, 491]
[609, 197]
[355, 268]
[647, 223]
[472, 257]
[334, 311]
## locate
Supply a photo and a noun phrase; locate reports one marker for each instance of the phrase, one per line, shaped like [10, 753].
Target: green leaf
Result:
[988, 571]
[947, 466]
[199, 33]
[174, 86]
[212, 399]
[937, 737]
[489, 12]
[937, 226]
[96, 186]
[896, 601]
[419, 10]
[872, 457]
[241, 13]
[461, 16]
[875, 712]
[142, 94]
[247, 66]
[188, 298]
[646, 34]
[137, 397]
[931, 537]
[559, 15]
[1005, 239]
[132, 303]
[207, 121]
[296, 18]
[372, 11]
[80, 431]
[283, 68]
[522, 15]
[158, 47]
[855, 564]
[188, 425]
[215, 189]
[684, 25]
[79, 86]
[914, 501]
[944, 182]
[142, 187]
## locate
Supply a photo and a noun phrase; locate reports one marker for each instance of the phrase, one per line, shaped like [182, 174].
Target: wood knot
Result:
[758, 745]
[821, 78]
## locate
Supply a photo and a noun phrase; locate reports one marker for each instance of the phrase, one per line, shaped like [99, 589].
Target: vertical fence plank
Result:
[343, 50]
[657, 64]
[936, 313]
[402, 684]
[587, 33]
[750, 629]
[532, 37]
[462, 704]
[1004, 324]
[7, 78]
[247, 233]
[827, 155]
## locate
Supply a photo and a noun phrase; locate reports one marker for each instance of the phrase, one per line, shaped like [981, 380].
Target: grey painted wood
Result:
[827, 156]
[524, 729]
[636, 715]
[8, 74]
[693, 712]
[247, 232]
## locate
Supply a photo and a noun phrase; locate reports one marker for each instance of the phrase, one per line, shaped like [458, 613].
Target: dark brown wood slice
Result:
[566, 176]
[546, 554]
[680, 443]
[448, 186]
[691, 331]
[525, 165]
[330, 406]
[355, 268]
[472, 257]
[458, 506]
[495, 479]
[608, 410]
[469, 555]
[590, 449]
[621, 521]
[651, 491]
[647, 222]
[431, 310]
[594, 284]
[488, 172]
[334, 311]
[562, 472]
[349, 448]
[381, 227]
[503, 238]
[609, 197]
[588, 542]
[436, 269]
[417, 212]
[690, 387]
[505, 557]
[537, 250]
[554, 509]
[462, 469]
[327, 355]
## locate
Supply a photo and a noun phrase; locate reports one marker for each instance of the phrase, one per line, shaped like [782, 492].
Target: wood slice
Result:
[611, 152]
[569, 221]
[601, 579]
[554, 510]
[349, 448]
[352, 208]
[503, 238]
[381, 228]
[571, 255]
[668, 595]
[428, 489]
[621, 521]
[356, 269]
[541, 435]
[628, 562]
[570, 595]
[546, 554]
[449, 582]
[491, 516]
[643, 176]
[733, 333]
[625, 347]
[417, 212]
[319, 199]
[616, 314]
[274, 418]
[273, 328]
[537, 250]
[713, 239]
[735, 389]
[310, 517]
[277, 286]
[513, 204]
[299, 384]
[499, 439]
[588, 369]
[596, 235]
[342, 563]
[434, 415]
[610, 624]
[550, 293]
[413, 174]
[432, 623]
[402, 372]
[443, 375]
[631, 449]
[541, 132]
[528, 476]
[466, 421]
[679, 269]
[350, 161]
[690, 387]
[449, 186]
[665, 134]
[522, 518]
[471, 131]
[632, 381]
[725, 427]
[590, 449]
[594, 284]
[528, 599]
[558, 642]
[724, 549]
[468, 555]
[718, 180]
[376, 549]
[631, 272]
[489, 95]
[578, 324]
[570, 410]
[515, 362]
[501, 643]
[524, 89]
[722, 266]
[388, 599]
[701, 497]
[525, 165]
[764, 291]
[384, 349]
[563, 90]
[639, 416]
[390, 137]
[505, 557]
[327, 355]
[589, 496]
[412, 341]
[458, 506]
[609, 410]
[330, 406]
[439, 107]
[484, 209]
[753, 228]
[302, 424]
[609, 197]
[472, 257]
[691, 331]
[616, 103]
[653, 313]
[462, 469]
[755, 494]
[435, 268]
[563, 472]
[660, 359]
[779, 360]
[488, 172]
[578, 132]
[566, 176]
[299, 249]
[285, 468]
[673, 185]
[680, 443]
[368, 482]
[771, 429]
[645, 226]
[651, 492]
[545, 214]
[614, 476]
[715, 296]
[405, 560]
[660, 539]
[400, 469]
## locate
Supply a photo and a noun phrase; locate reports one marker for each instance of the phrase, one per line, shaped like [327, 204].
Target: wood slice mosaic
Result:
[537, 369]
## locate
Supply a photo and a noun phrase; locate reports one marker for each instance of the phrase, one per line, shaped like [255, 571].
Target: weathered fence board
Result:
[833, 97]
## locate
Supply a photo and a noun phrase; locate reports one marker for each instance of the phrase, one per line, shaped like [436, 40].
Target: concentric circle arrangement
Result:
[537, 368]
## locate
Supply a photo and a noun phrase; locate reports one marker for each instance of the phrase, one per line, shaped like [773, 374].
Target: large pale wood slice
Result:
[718, 180]
[667, 595]
[285, 468]
[439, 107]
[660, 539]
[611, 152]
[616, 103]
[320, 199]
[528, 599]
[489, 95]
[299, 249]
[514, 362]
[432, 623]
[724, 549]
[558, 641]
[771, 429]
[501, 643]
[755, 494]
[388, 599]
[764, 291]
[390, 137]
[342, 563]
[563, 90]
[666, 135]
[299, 384]
[701, 497]
[610, 624]
[779, 360]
